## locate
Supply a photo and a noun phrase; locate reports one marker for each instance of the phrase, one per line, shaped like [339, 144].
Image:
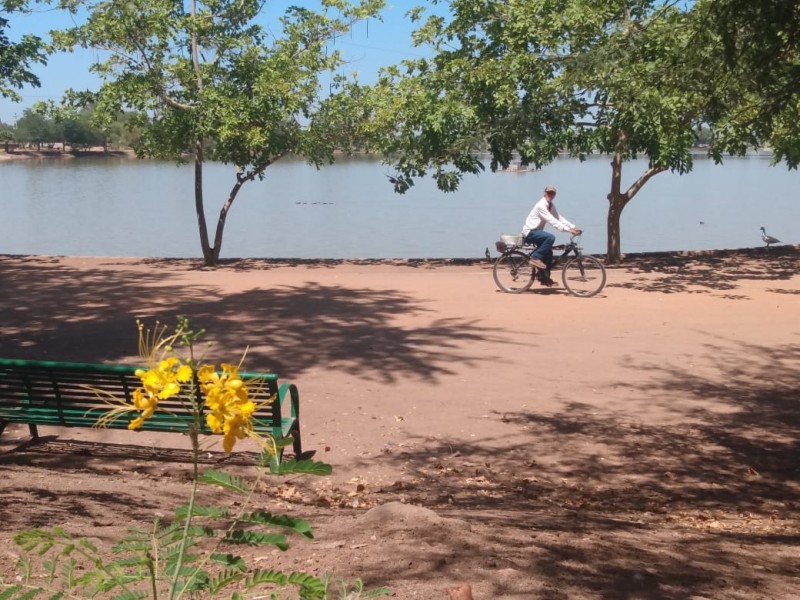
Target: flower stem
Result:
[194, 436]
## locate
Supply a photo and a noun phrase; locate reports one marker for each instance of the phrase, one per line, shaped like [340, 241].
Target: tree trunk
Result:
[208, 254]
[614, 247]
[618, 200]
[211, 253]
[223, 214]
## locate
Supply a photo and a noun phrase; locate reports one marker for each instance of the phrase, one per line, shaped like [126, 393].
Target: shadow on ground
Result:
[629, 510]
[58, 313]
[712, 271]
[595, 504]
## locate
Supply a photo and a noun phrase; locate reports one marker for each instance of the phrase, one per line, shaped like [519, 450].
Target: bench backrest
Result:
[76, 394]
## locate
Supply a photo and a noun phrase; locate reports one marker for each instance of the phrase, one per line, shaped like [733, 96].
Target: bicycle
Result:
[513, 272]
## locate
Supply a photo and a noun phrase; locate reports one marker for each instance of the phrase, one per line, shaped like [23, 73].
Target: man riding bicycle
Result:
[543, 212]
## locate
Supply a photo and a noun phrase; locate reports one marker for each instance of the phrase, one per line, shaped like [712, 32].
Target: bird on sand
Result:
[768, 239]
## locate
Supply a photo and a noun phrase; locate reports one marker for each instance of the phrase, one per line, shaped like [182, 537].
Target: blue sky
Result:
[370, 46]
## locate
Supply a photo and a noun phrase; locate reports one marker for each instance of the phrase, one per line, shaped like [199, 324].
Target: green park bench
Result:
[61, 394]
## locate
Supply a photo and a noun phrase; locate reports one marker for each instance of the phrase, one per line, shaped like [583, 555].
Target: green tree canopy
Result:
[35, 128]
[208, 71]
[7, 132]
[534, 78]
[17, 58]
[759, 52]
[78, 131]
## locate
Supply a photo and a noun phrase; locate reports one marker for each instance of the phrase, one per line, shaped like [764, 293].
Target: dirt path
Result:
[641, 444]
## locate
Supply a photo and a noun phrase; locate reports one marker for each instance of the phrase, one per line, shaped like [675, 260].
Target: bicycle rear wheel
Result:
[513, 272]
[583, 276]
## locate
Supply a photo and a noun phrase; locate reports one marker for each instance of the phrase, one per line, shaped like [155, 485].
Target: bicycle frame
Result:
[581, 275]
[570, 248]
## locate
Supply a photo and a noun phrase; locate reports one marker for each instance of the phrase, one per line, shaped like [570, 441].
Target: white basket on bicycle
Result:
[508, 240]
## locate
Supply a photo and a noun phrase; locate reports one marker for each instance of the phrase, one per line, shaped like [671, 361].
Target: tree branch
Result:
[644, 178]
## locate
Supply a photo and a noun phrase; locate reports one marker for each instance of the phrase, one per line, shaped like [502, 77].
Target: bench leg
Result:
[31, 427]
[297, 446]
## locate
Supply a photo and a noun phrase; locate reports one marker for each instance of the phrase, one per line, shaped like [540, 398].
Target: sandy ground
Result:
[639, 444]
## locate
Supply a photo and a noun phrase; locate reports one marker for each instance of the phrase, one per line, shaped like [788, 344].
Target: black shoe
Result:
[546, 281]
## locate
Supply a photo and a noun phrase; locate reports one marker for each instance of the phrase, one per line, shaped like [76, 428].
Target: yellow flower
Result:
[158, 383]
[226, 396]
[164, 379]
[146, 404]
[228, 382]
[236, 428]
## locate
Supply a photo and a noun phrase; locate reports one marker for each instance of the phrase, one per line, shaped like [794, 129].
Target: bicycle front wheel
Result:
[583, 276]
[513, 272]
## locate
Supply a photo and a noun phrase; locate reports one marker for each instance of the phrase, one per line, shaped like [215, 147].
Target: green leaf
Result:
[198, 580]
[213, 512]
[264, 518]
[254, 538]
[224, 480]
[381, 591]
[259, 577]
[198, 530]
[8, 591]
[26, 593]
[229, 560]
[118, 581]
[310, 586]
[305, 467]
[88, 545]
[31, 539]
[129, 561]
[216, 584]
[24, 568]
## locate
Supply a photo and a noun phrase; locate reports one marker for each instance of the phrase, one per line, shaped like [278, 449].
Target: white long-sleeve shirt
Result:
[541, 214]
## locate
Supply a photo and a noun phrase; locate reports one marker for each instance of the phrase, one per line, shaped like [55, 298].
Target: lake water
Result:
[111, 207]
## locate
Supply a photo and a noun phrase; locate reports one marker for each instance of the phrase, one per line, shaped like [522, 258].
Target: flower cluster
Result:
[158, 383]
[226, 396]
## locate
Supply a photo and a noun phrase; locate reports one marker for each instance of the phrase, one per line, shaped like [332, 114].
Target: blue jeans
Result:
[544, 242]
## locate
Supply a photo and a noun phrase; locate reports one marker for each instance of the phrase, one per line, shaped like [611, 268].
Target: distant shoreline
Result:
[95, 152]
[98, 152]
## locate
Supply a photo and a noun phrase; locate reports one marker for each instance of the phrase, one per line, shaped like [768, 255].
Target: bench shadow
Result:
[51, 451]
